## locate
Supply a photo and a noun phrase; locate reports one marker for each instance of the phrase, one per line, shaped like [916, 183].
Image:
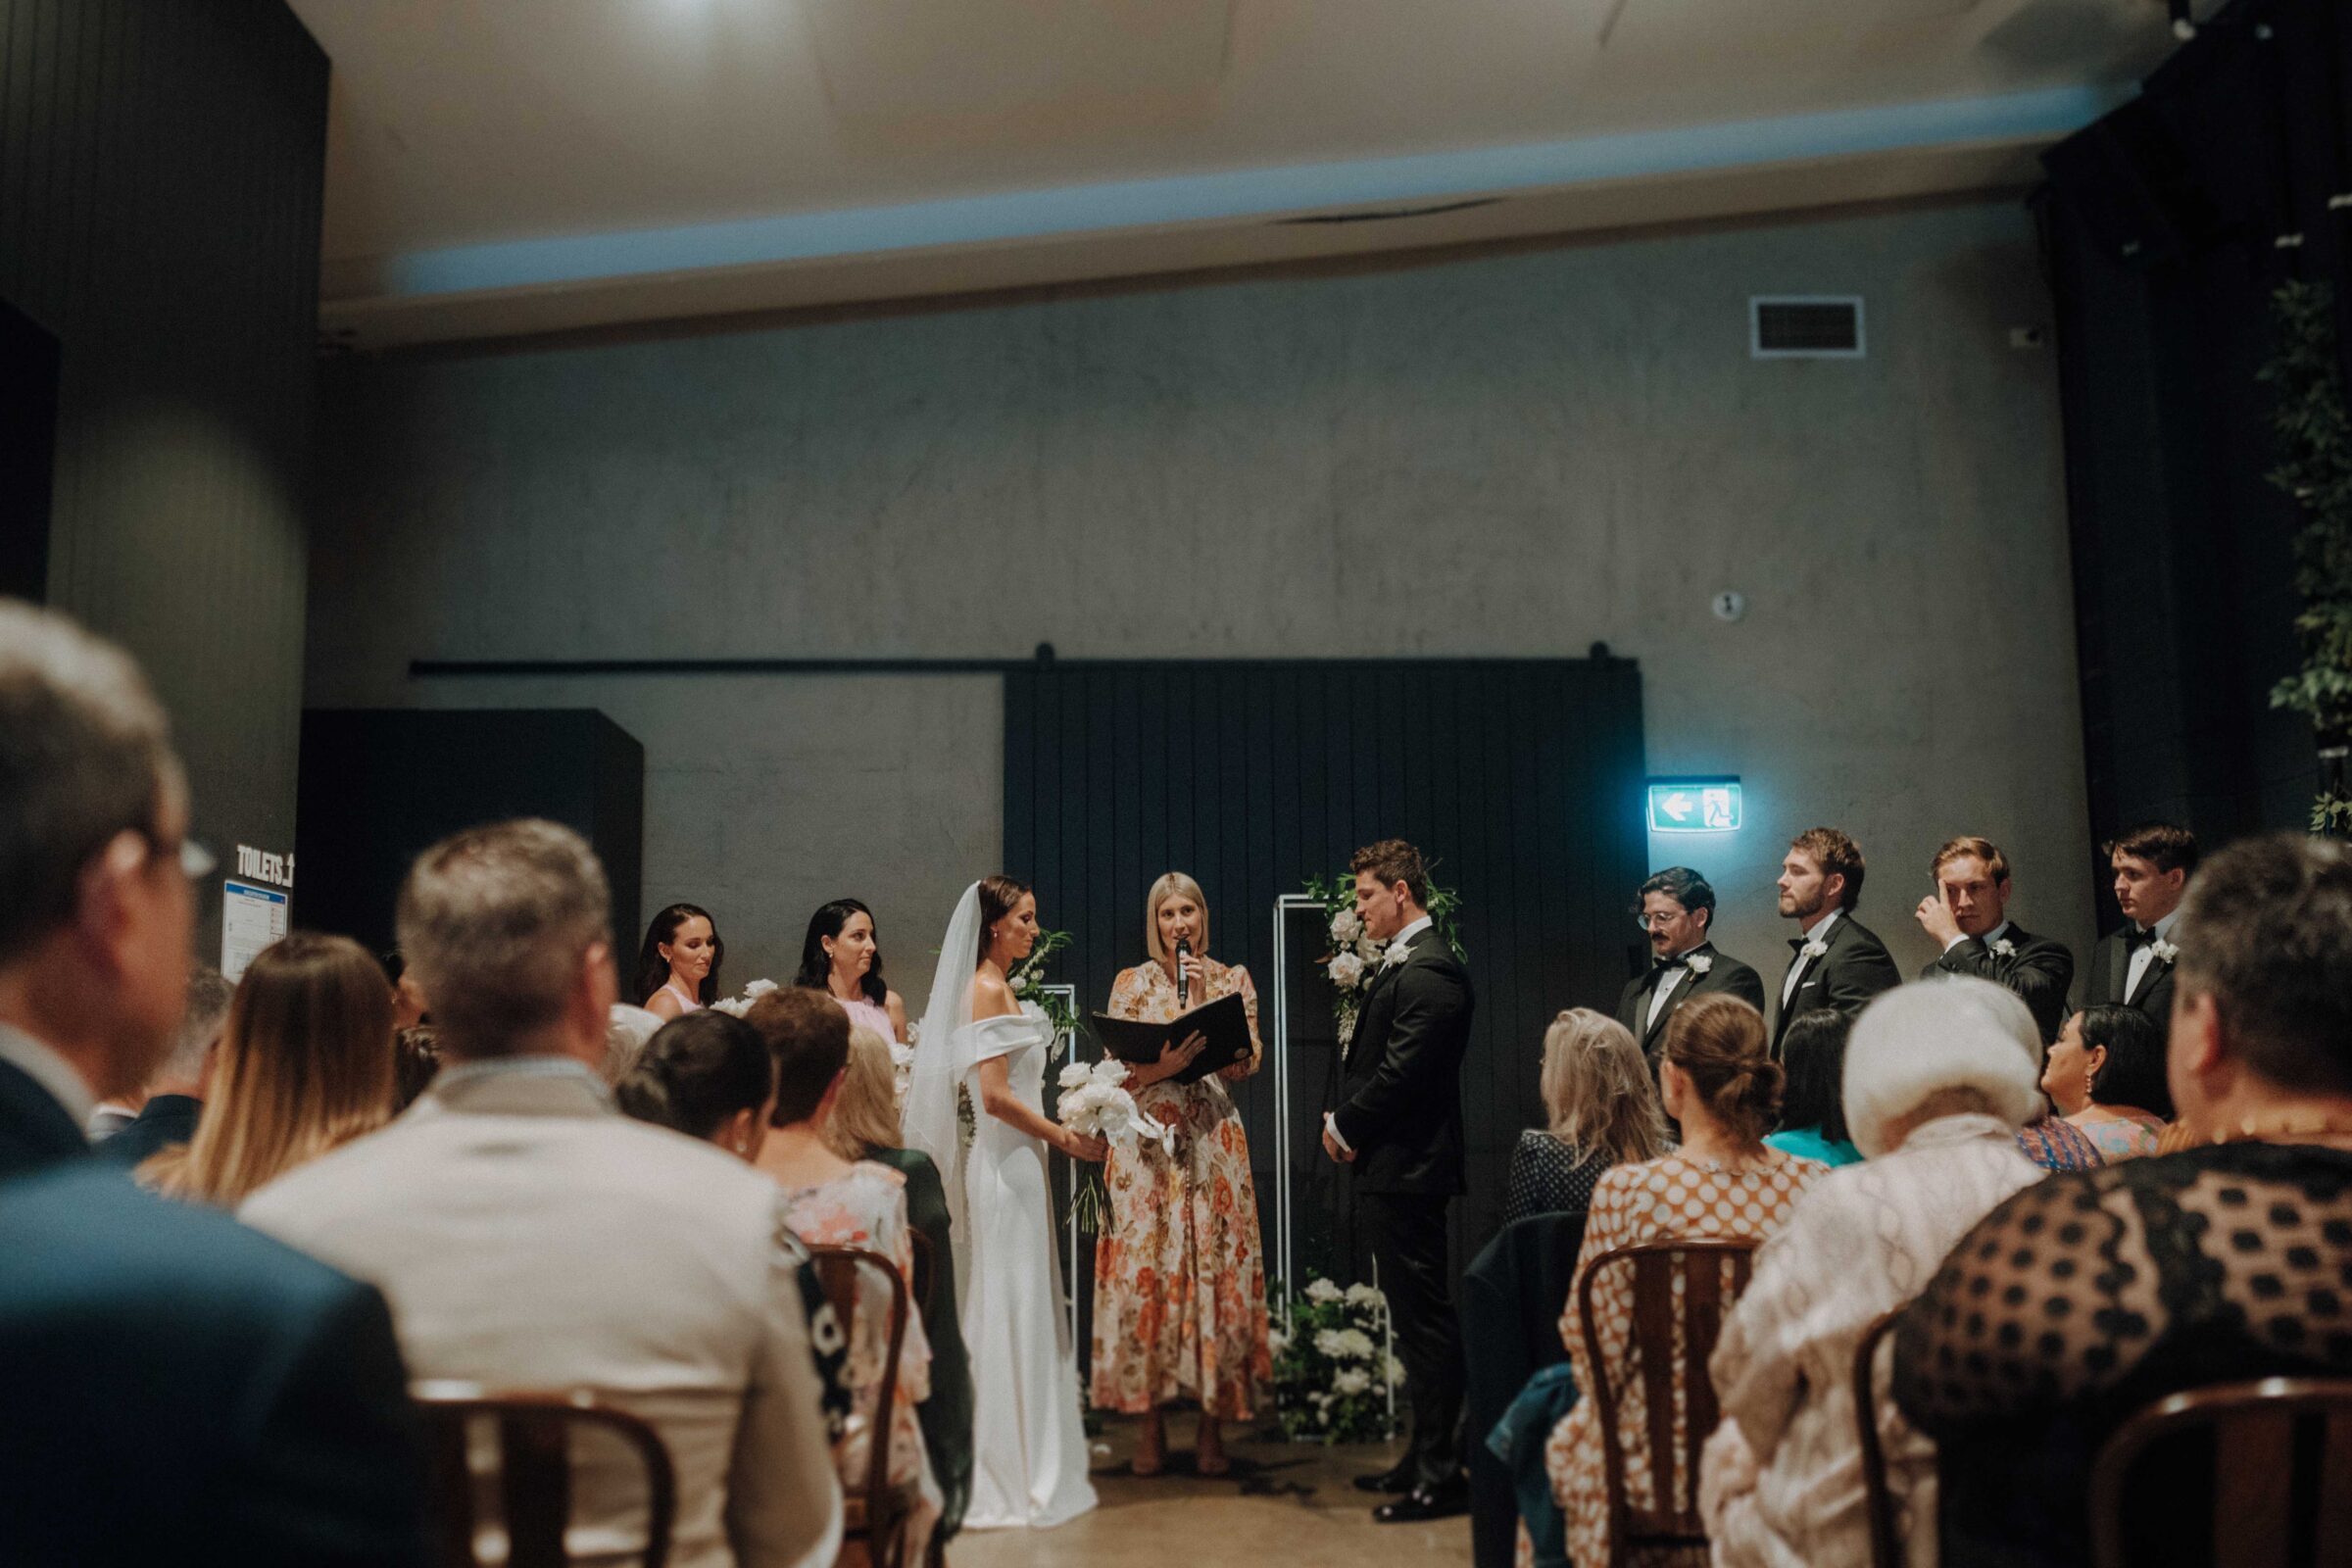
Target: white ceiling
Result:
[504, 166]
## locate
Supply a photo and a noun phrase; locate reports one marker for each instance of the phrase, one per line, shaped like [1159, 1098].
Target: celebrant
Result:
[1180, 1286]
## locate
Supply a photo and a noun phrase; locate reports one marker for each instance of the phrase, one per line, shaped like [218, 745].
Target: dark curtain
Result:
[2166, 227]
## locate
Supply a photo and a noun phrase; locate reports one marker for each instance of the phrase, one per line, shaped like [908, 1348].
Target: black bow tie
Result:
[2138, 937]
[1662, 965]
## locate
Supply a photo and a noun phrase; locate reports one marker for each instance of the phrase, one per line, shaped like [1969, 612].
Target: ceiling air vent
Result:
[1813, 327]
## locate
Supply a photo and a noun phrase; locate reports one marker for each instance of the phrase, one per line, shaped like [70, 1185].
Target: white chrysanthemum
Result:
[1395, 1373]
[758, 989]
[732, 1006]
[1356, 1345]
[1346, 970]
[1277, 1340]
[1362, 1294]
[1323, 1292]
[1020, 984]
[1353, 1381]
[1076, 1074]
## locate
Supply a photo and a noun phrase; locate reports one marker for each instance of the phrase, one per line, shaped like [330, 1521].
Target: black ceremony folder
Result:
[1226, 1022]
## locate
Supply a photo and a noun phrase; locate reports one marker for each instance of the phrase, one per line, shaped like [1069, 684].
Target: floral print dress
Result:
[1179, 1285]
[1660, 1200]
[867, 1209]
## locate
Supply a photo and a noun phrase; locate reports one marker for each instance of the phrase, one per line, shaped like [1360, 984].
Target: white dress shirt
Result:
[1331, 1123]
[2145, 953]
[1670, 977]
[1797, 969]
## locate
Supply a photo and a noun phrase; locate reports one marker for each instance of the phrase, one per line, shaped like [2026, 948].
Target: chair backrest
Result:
[1699, 1265]
[838, 1269]
[534, 1475]
[2262, 1518]
[922, 1270]
[1885, 1541]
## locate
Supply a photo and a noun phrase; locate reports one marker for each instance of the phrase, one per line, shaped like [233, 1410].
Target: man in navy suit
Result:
[175, 1385]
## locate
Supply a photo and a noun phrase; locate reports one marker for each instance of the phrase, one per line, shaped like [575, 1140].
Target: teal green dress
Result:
[946, 1416]
[1806, 1143]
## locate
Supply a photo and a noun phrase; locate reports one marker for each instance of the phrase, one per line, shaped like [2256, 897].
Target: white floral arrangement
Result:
[1699, 962]
[737, 1006]
[1815, 948]
[1357, 958]
[902, 1063]
[2165, 951]
[1094, 1102]
[1335, 1380]
[2004, 949]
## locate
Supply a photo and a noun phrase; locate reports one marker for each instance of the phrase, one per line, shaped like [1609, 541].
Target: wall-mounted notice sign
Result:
[251, 918]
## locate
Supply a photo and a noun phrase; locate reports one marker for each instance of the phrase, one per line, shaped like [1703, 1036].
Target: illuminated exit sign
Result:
[1695, 805]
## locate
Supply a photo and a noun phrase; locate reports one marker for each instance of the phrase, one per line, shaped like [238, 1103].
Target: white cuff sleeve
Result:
[1331, 1125]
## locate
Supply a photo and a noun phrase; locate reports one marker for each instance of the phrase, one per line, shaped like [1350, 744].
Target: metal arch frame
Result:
[1067, 1049]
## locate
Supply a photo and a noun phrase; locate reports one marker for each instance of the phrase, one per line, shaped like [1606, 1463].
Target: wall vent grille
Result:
[1805, 326]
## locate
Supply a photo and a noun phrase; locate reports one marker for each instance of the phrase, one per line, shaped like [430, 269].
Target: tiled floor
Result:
[1285, 1504]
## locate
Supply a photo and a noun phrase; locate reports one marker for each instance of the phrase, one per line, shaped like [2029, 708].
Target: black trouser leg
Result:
[1407, 1233]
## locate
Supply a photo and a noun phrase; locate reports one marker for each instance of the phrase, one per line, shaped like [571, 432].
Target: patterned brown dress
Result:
[1180, 1286]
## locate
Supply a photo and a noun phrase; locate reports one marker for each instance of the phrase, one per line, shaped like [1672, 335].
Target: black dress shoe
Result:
[1425, 1503]
[1396, 1483]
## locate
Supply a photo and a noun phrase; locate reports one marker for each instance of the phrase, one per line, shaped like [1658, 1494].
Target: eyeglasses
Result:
[196, 863]
[1658, 922]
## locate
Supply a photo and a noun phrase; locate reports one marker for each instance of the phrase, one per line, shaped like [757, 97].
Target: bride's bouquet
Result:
[1094, 1102]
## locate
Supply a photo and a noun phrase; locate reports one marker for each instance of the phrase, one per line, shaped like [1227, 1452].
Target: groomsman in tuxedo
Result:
[1675, 907]
[1967, 916]
[1840, 963]
[2134, 965]
[1399, 1125]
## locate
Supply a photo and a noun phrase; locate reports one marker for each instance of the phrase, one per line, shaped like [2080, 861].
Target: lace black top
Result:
[1545, 1179]
[2091, 1295]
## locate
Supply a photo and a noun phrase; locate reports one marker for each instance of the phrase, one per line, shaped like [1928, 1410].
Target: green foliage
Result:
[1028, 982]
[2314, 468]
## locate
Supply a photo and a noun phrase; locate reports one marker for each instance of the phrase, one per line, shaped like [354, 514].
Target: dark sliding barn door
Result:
[1520, 780]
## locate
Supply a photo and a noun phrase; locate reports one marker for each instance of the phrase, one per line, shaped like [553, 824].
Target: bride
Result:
[1029, 1450]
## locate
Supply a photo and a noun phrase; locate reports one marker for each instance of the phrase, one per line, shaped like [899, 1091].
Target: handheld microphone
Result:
[1184, 983]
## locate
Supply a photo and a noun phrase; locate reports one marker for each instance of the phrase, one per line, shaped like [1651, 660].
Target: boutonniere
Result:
[2165, 951]
[1815, 949]
[2004, 949]
[1399, 951]
[1699, 962]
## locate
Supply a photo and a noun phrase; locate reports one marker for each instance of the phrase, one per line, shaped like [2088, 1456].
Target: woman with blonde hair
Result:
[1180, 1290]
[305, 1063]
[1601, 1108]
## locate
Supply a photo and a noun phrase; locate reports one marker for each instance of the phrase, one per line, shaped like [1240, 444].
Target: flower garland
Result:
[1333, 1376]
[1356, 959]
[1028, 982]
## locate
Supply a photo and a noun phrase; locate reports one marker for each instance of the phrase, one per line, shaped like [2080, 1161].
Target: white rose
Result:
[1075, 1074]
[1399, 951]
[1277, 1340]
[1110, 1073]
[1395, 1373]
[1346, 970]
[1346, 926]
[2004, 949]
[2164, 950]
[1353, 1381]
[1816, 950]
[1699, 962]
[1323, 1292]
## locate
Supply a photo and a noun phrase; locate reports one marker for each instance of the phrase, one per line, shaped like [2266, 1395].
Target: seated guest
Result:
[1813, 1110]
[416, 1063]
[1674, 910]
[706, 1074]
[2055, 1144]
[1968, 918]
[832, 1202]
[864, 1125]
[1601, 1108]
[176, 1386]
[677, 967]
[2085, 1297]
[304, 1065]
[2133, 966]
[1938, 1081]
[534, 1237]
[1838, 963]
[175, 1094]
[2106, 1077]
[1725, 1090]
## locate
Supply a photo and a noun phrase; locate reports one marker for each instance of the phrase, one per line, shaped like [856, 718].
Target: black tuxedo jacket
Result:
[34, 1129]
[2040, 970]
[1855, 969]
[2111, 968]
[165, 1121]
[1400, 1091]
[133, 1326]
[1728, 977]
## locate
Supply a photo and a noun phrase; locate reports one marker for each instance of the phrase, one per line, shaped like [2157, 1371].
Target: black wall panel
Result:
[1521, 780]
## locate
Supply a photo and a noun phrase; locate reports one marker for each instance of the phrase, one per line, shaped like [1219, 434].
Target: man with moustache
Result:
[1840, 963]
[1968, 918]
[2134, 965]
[1674, 908]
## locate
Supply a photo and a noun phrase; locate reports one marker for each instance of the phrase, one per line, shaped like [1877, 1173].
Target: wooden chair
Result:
[534, 1477]
[2261, 1517]
[873, 1531]
[1656, 1265]
[1885, 1539]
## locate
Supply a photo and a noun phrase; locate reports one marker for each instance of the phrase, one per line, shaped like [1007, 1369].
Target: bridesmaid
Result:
[1180, 1289]
[677, 967]
[841, 956]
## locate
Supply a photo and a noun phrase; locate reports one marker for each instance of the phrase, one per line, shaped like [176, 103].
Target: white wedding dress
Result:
[1028, 1445]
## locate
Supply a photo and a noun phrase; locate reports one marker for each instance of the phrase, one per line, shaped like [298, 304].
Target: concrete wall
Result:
[1515, 453]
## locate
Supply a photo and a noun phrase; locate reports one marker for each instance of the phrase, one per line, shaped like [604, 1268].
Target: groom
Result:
[1400, 1124]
